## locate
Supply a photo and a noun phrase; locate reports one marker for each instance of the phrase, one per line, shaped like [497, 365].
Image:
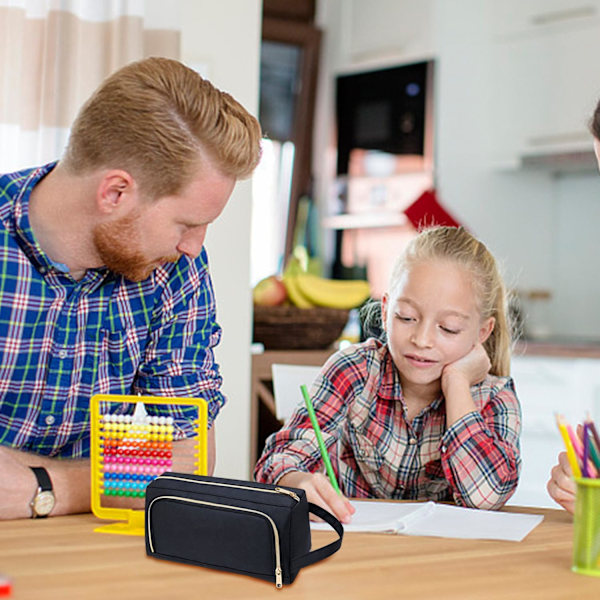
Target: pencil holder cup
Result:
[586, 531]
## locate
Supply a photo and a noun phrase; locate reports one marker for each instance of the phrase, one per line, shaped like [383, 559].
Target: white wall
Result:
[576, 306]
[223, 38]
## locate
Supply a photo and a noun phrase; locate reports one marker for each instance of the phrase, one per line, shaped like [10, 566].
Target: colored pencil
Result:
[594, 431]
[594, 455]
[594, 452]
[586, 451]
[594, 447]
[578, 447]
[572, 458]
[575, 441]
[322, 448]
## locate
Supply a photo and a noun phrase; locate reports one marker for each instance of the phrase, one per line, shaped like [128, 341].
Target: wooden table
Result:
[62, 558]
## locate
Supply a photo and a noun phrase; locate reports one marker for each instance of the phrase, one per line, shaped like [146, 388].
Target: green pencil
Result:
[315, 424]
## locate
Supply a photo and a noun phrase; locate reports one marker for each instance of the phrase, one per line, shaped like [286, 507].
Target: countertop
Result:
[559, 347]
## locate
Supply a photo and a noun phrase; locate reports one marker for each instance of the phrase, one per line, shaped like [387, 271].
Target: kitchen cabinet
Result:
[546, 81]
[385, 31]
[540, 17]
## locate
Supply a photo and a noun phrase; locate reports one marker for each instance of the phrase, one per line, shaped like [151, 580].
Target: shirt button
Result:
[62, 354]
[43, 270]
[50, 420]
[362, 452]
[412, 441]
[443, 448]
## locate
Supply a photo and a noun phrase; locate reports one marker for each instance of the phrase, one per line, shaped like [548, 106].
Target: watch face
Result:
[43, 503]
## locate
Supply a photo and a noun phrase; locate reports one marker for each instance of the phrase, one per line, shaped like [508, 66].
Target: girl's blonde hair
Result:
[458, 245]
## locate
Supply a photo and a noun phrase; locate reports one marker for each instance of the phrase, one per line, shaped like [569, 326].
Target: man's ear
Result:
[117, 190]
[486, 329]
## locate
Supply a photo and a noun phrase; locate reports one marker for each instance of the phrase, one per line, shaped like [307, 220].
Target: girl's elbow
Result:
[493, 496]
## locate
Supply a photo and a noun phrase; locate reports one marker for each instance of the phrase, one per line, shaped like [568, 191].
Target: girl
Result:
[428, 414]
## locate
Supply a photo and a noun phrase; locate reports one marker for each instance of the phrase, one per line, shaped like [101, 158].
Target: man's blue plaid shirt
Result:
[62, 340]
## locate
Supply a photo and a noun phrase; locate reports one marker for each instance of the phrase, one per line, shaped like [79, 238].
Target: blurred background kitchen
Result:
[499, 126]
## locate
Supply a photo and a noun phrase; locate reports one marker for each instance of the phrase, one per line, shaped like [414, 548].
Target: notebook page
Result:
[377, 517]
[437, 520]
[471, 523]
[413, 519]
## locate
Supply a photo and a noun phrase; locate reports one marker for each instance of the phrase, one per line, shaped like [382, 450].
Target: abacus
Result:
[129, 450]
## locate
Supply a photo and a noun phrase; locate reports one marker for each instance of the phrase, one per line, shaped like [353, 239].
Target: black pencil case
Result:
[243, 527]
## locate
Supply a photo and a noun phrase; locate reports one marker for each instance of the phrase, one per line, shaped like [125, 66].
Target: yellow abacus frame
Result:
[131, 520]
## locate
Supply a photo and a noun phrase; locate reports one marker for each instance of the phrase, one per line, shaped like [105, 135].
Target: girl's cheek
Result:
[456, 349]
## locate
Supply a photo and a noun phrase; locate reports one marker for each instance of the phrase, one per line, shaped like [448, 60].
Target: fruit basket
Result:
[292, 328]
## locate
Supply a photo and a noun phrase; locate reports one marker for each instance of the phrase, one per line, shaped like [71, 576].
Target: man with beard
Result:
[105, 285]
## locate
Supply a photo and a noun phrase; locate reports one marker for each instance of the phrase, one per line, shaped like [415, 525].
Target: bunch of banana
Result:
[292, 270]
[306, 290]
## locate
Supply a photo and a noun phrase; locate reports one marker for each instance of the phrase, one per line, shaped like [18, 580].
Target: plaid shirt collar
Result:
[390, 387]
[20, 219]
[24, 233]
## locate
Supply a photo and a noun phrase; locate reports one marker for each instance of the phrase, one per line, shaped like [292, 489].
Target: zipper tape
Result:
[276, 490]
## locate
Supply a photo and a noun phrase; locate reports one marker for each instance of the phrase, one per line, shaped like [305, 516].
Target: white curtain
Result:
[54, 53]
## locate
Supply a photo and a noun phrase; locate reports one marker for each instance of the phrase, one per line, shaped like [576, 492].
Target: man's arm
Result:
[70, 480]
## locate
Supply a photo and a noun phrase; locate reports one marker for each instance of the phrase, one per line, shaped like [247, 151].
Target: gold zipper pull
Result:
[287, 493]
[278, 577]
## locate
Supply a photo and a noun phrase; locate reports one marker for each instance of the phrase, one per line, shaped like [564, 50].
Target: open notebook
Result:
[439, 520]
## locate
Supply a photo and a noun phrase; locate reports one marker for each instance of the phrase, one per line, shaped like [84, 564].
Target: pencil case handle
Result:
[320, 553]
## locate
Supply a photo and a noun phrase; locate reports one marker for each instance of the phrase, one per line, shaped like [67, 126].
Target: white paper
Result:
[438, 520]
[381, 517]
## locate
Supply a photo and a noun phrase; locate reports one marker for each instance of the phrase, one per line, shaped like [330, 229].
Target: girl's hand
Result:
[457, 379]
[468, 370]
[320, 491]
[561, 486]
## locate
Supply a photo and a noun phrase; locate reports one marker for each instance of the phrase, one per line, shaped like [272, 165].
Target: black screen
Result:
[381, 110]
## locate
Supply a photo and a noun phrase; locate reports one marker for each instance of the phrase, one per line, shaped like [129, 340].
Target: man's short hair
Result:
[156, 119]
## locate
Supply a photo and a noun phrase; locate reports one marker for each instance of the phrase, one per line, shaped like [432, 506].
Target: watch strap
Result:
[43, 479]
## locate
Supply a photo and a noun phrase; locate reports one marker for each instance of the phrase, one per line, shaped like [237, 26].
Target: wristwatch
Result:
[43, 501]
